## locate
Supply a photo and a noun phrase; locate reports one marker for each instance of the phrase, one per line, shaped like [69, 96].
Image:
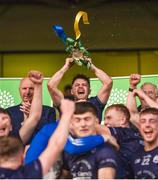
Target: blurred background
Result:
[122, 36]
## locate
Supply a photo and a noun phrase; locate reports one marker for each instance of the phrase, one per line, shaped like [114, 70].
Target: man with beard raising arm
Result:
[81, 86]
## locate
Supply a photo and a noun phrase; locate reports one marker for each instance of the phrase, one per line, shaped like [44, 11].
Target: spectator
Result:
[20, 113]
[146, 94]
[25, 132]
[148, 88]
[67, 92]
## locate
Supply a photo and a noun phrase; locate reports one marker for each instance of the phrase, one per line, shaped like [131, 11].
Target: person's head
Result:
[80, 87]
[84, 119]
[26, 90]
[117, 115]
[11, 152]
[67, 92]
[148, 126]
[150, 90]
[5, 123]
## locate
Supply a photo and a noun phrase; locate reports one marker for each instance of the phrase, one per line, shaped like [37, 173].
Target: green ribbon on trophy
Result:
[74, 46]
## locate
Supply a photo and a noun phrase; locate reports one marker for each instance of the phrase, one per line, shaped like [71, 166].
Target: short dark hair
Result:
[150, 110]
[67, 87]
[120, 107]
[4, 111]
[10, 146]
[84, 107]
[81, 76]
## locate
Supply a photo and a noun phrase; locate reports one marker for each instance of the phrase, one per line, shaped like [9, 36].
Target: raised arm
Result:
[142, 96]
[131, 100]
[53, 83]
[131, 103]
[32, 120]
[59, 137]
[106, 80]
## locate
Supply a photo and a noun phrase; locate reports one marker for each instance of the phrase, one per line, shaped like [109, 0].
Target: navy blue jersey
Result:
[130, 141]
[15, 134]
[29, 171]
[145, 164]
[86, 165]
[99, 105]
[17, 117]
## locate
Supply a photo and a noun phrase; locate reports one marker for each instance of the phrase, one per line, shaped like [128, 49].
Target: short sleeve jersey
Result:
[130, 141]
[98, 104]
[17, 117]
[86, 165]
[145, 164]
[16, 134]
[29, 171]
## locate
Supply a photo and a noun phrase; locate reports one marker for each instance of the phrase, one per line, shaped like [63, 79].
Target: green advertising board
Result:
[9, 93]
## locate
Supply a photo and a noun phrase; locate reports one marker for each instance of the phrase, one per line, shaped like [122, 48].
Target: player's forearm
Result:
[59, 137]
[55, 144]
[131, 103]
[101, 75]
[27, 130]
[56, 78]
[31, 122]
[53, 83]
[36, 105]
[150, 101]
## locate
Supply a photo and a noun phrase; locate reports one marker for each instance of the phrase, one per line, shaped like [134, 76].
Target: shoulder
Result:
[33, 170]
[95, 100]
[105, 151]
[138, 153]
[15, 133]
[48, 112]
[117, 130]
[106, 156]
[105, 148]
[12, 108]
[48, 108]
[124, 131]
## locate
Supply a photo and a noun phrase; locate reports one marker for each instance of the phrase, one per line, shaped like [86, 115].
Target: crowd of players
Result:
[34, 144]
